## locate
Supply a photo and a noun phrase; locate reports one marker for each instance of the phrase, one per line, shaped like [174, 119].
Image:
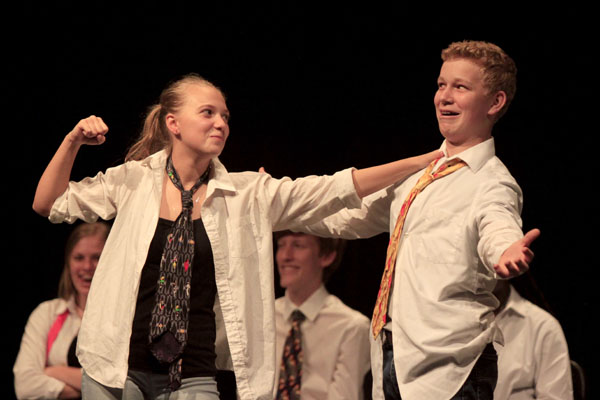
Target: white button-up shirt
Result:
[534, 362]
[442, 306]
[335, 346]
[240, 213]
[30, 380]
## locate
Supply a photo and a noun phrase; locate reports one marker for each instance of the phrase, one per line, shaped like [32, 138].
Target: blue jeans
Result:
[145, 385]
[141, 386]
[90, 389]
[479, 385]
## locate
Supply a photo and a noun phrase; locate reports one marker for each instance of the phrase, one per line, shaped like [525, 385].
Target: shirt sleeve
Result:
[352, 364]
[304, 201]
[30, 380]
[371, 219]
[90, 198]
[498, 218]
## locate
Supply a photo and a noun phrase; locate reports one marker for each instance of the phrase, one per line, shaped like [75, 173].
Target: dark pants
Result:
[479, 385]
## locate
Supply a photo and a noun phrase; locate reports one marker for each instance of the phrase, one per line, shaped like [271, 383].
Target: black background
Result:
[312, 90]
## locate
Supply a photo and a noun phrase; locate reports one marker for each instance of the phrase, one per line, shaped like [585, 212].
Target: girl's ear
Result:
[172, 124]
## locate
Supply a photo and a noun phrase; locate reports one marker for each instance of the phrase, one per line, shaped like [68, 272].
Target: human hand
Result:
[425, 159]
[70, 376]
[516, 258]
[262, 170]
[51, 371]
[90, 130]
[57, 371]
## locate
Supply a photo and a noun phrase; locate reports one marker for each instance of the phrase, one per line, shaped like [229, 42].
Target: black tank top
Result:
[72, 360]
[199, 354]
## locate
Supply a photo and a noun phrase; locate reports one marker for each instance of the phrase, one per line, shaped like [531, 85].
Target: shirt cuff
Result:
[344, 185]
[58, 212]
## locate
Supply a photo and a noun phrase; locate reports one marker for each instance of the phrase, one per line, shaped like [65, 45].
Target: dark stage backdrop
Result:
[311, 91]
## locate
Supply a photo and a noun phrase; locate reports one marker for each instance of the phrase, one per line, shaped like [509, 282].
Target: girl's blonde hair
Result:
[155, 135]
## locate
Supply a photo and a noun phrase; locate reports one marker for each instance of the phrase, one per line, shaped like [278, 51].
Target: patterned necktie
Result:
[169, 324]
[290, 372]
[380, 312]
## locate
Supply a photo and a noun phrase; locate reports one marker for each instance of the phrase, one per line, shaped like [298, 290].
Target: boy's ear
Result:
[499, 100]
[328, 259]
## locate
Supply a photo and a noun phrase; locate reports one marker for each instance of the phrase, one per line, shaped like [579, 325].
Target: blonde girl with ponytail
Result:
[233, 215]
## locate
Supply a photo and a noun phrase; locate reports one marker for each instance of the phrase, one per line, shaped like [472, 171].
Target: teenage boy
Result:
[455, 229]
[333, 338]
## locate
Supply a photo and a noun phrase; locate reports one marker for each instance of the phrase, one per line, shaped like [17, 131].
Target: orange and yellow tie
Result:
[381, 305]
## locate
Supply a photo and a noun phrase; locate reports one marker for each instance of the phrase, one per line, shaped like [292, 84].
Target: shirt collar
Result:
[156, 160]
[514, 303]
[219, 177]
[67, 305]
[475, 156]
[311, 306]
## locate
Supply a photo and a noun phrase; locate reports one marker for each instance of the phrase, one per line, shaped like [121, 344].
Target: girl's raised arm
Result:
[55, 178]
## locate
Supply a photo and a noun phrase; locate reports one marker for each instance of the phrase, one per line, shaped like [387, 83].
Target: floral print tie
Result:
[290, 372]
[169, 322]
